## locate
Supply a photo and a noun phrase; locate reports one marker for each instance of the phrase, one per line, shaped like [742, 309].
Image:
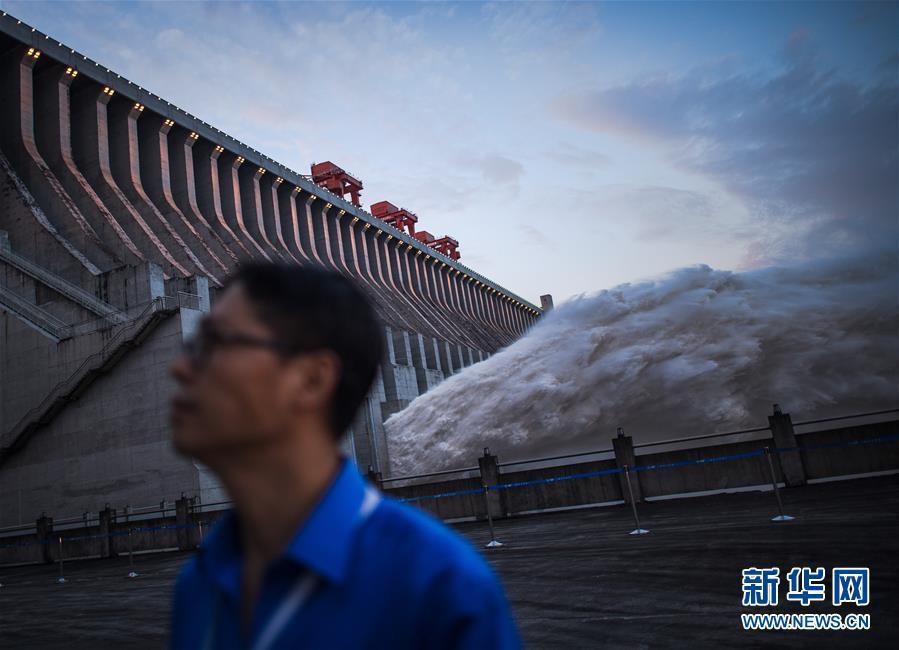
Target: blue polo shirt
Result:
[363, 571]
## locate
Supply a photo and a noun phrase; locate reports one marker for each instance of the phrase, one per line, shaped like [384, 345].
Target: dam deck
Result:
[576, 579]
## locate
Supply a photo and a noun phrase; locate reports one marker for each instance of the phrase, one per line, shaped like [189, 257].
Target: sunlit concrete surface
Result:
[576, 579]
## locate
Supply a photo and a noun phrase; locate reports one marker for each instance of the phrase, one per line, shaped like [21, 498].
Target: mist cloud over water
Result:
[696, 351]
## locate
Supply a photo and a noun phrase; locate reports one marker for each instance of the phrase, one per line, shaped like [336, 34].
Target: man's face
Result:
[236, 394]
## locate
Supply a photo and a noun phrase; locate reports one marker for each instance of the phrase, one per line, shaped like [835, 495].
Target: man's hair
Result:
[308, 309]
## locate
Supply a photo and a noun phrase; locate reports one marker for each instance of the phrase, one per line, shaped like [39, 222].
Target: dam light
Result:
[355, 219]
[219, 148]
[108, 91]
[279, 180]
[193, 136]
[367, 226]
[170, 122]
[262, 170]
[341, 213]
[240, 159]
[139, 107]
[328, 206]
[389, 237]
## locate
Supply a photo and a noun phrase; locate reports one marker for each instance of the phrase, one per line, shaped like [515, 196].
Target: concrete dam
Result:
[120, 217]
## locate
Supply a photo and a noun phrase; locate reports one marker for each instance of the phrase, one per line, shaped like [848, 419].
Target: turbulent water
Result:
[696, 351]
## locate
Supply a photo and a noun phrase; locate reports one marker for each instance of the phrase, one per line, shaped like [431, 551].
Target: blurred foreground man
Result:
[310, 557]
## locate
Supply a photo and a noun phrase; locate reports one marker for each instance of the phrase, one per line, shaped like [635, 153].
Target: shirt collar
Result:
[322, 543]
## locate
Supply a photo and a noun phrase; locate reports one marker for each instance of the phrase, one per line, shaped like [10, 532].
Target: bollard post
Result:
[784, 438]
[184, 508]
[493, 543]
[624, 455]
[61, 579]
[106, 518]
[132, 573]
[44, 528]
[489, 469]
[780, 505]
[630, 490]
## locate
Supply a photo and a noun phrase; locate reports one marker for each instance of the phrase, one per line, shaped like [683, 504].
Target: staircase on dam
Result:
[129, 335]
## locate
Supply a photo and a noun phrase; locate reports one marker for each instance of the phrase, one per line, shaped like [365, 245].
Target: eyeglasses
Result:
[199, 347]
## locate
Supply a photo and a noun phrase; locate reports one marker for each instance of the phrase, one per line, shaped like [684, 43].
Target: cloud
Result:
[811, 153]
[663, 213]
[578, 156]
[536, 238]
[499, 170]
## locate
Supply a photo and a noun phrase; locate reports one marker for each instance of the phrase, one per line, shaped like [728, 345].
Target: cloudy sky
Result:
[568, 147]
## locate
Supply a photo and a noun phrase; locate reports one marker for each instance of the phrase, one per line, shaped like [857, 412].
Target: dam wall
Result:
[121, 215]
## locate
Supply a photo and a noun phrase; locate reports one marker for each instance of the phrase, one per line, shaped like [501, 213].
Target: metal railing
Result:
[71, 291]
[846, 417]
[428, 475]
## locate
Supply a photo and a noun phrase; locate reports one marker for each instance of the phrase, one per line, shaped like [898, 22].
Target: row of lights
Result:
[35, 54]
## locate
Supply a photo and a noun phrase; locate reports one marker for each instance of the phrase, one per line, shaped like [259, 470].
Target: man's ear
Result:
[314, 378]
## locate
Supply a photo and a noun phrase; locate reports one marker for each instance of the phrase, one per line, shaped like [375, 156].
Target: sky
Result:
[569, 147]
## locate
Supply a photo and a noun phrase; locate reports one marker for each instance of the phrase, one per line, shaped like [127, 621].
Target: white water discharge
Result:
[696, 351]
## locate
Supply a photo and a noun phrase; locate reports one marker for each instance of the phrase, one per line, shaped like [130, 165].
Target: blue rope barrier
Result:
[114, 533]
[427, 497]
[698, 461]
[555, 479]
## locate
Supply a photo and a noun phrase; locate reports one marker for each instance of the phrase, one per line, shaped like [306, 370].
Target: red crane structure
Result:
[337, 181]
[399, 218]
[446, 244]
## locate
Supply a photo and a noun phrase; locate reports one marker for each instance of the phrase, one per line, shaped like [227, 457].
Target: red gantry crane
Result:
[399, 218]
[337, 181]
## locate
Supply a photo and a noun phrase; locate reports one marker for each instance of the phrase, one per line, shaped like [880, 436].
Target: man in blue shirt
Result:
[311, 557]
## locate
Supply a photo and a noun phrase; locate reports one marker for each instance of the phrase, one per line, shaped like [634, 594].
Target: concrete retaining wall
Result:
[825, 454]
